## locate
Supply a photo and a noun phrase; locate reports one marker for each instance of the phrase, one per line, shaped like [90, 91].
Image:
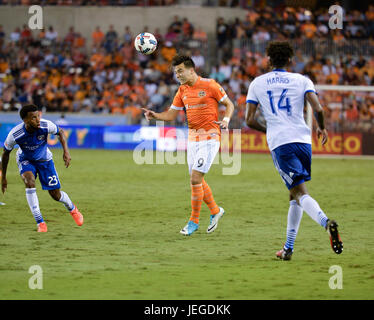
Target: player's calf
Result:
[33, 202]
[69, 205]
[55, 194]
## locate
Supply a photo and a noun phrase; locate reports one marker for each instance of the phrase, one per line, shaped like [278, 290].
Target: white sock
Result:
[66, 201]
[311, 207]
[295, 213]
[32, 200]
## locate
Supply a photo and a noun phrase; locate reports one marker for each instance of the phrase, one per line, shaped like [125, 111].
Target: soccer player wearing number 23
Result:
[281, 95]
[200, 98]
[35, 159]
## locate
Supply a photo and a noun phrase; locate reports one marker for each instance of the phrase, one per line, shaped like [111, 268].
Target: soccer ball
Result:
[145, 43]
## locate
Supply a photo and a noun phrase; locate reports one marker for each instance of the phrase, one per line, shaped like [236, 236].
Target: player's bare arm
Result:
[66, 155]
[318, 113]
[224, 124]
[251, 119]
[168, 115]
[4, 167]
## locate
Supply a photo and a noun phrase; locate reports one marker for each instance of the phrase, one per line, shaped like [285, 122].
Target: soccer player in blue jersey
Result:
[281, 96]
[35, 159]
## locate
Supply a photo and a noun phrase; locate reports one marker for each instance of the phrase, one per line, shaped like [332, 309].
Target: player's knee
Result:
[297, 196]
[196, 179]
[29, 181]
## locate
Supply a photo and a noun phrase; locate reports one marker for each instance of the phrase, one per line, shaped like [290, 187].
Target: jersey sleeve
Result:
[52, 127]
[251, 95]
[10, 142]
[309, 86]
[177, 101]
[217, 91]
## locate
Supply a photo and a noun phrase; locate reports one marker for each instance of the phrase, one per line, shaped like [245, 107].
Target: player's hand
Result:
[4, 184]
[223, 124]
[149, 114]
[324, 135]
[67, 159]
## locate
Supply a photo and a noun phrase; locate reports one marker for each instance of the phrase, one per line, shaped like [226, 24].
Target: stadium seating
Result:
[64, 74]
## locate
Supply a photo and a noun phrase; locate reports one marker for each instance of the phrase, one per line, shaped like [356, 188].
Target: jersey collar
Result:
[197, 81]
[281, 70]
[25, 130]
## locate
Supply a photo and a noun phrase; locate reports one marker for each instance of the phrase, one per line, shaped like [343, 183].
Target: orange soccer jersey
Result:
[201, 103]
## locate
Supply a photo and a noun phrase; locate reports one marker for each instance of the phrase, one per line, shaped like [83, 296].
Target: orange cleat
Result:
[42, 227]
[77, 216]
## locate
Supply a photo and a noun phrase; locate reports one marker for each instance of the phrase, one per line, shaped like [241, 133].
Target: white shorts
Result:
[201, 154]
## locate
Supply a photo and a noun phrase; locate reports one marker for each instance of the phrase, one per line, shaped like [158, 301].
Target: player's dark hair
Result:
[186, 60]
[26, 109]
[280, 53]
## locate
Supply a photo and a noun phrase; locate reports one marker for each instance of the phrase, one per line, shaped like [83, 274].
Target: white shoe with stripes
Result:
[214, 220]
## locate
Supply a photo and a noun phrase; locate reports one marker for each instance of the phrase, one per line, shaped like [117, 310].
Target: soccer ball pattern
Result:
[145, 43]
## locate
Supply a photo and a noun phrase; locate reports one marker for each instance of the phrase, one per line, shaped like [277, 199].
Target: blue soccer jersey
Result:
[32, 146]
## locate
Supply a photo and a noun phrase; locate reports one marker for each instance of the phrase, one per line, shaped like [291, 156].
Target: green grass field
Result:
[130, 247]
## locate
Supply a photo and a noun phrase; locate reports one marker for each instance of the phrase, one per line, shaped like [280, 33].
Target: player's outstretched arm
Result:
[251, 120]
[66, 156]
[4, 167]
[168, 115]
[312, 98]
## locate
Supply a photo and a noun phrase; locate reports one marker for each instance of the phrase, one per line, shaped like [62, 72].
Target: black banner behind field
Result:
[197, 309]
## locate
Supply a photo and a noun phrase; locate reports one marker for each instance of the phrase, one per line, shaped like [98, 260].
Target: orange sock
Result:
[197, 195]
[209, 200]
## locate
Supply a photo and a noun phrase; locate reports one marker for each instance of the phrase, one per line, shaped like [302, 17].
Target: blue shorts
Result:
[45, 169]
[293, 162]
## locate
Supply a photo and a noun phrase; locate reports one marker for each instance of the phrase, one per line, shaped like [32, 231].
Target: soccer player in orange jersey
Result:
[200, 98]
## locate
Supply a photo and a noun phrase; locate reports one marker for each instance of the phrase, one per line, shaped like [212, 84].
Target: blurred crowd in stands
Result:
[63, 73]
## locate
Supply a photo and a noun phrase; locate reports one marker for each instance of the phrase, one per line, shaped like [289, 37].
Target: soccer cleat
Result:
[284, 254]
[42, 227]
[77, 216]
[214, 220]
[190, 228]
[335, 241]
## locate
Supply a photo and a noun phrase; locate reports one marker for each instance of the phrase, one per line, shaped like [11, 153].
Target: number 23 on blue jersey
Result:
[283, 103]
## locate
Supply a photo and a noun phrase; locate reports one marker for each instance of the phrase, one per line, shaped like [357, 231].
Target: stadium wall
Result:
[85, 19]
